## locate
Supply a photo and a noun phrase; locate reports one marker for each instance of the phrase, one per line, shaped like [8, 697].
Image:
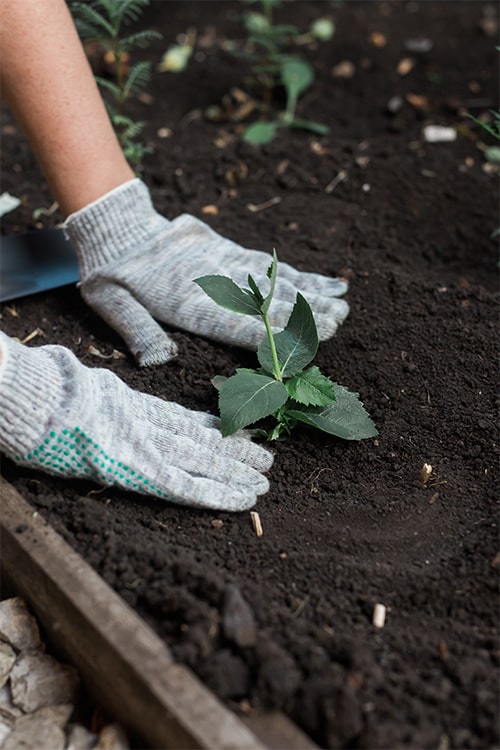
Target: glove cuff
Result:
[32, 389]
[108, 228]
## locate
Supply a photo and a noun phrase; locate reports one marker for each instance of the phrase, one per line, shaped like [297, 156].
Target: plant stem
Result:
[274, 354]
[268, 11]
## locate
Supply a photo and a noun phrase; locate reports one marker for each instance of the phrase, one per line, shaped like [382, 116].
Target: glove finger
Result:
[204, 430]
[147, 340]
[242, 447]
[289, 280]
[171, 416]
[331, 313]
[206, 457]
[203, 492]
[313, 283]
[327, 324]
[257, 262]
[170, 421]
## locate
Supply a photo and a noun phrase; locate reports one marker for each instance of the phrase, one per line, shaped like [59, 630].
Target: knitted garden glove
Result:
[136, 266]
[66, 419]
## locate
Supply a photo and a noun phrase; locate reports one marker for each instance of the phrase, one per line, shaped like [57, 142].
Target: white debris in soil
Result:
[439, 134]
[38, 693]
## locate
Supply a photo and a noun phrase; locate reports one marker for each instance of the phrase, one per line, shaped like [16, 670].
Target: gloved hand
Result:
[136, 266]
[63, 418]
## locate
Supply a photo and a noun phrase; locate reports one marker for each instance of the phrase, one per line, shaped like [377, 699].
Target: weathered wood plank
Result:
[278, 732]
[125, 665]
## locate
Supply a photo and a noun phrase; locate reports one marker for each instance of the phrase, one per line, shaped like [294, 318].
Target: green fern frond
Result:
[113, 88]
[138, 77]
[91, 24]
[128, 10]
[139, 39]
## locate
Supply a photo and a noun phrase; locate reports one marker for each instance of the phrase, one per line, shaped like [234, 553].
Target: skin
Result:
[48, 84]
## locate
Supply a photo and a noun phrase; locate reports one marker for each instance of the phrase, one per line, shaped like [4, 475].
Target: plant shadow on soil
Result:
[345, 525]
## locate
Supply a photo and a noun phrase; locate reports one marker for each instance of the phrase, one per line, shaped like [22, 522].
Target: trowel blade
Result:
[33, 262]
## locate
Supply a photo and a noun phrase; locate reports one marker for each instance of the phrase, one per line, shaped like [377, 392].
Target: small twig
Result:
[32, 335]
[301, 606]
[163, 525]
[257, 526]
[379, 613]
[254, 208]
[425, 473]
[342, 175]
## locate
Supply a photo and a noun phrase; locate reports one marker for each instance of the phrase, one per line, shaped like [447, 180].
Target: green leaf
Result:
[297, 76]
[314, 127]
[271, 275]
[311, 388]
[323, 29]
[255, 291]
[109, 86]
[247, 397]
[138, 77]
[297, 345]
[218, 381]
[492, 154]
[347, 418]
[139, 39]
[260, 132]
[228, 294]
[90, 23]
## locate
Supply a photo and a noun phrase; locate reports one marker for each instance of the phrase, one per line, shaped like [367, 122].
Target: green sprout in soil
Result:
[102, 22]
[284, 387]
[273, 66]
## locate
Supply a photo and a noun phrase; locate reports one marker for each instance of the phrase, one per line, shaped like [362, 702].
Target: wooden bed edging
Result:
[124, 664]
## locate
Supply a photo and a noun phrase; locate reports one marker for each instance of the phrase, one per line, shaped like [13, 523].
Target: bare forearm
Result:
[48, 84]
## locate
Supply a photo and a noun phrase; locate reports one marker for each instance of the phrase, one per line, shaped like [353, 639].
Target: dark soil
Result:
[346, 525]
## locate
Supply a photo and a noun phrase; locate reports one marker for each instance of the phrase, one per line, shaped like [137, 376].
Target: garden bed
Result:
[346, 525]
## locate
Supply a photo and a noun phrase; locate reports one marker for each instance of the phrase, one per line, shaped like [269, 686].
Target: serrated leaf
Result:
[297, 345]
[247, 397]
[311, 388]
[260, 132]
[228, 294]
[218, 381]
[271, 275]
[347, 418]
[257, 294]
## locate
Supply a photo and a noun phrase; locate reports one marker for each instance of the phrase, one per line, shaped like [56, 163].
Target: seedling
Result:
[273, 65]
[102, 21]
[284, 387]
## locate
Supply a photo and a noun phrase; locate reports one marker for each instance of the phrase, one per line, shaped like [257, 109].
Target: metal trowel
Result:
[33, 262]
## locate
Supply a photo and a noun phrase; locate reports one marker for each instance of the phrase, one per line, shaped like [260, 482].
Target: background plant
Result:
[284, 387]
[273, 65]
[103, 22]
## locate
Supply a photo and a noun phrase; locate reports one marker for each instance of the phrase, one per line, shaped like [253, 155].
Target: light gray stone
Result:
[5, 730]
[112, 737]
[38, 680]
[32, 732]
[7, 659]
[58, 714]
[17, 625]
[80, 738]
[8, 712]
